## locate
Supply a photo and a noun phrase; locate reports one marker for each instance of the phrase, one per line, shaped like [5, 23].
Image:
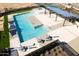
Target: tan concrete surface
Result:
[75, 44]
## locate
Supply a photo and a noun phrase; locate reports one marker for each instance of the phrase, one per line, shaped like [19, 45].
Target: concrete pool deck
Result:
[66, 33]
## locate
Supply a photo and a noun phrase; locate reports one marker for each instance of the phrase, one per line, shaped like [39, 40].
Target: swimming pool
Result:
[25, 29]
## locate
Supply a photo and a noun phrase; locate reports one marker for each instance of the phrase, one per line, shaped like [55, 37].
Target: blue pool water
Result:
[25, 29]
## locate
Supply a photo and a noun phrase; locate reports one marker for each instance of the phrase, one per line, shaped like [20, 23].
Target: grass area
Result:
[4, 41]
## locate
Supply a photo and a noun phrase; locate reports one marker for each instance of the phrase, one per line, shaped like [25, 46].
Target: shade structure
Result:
[63, 13]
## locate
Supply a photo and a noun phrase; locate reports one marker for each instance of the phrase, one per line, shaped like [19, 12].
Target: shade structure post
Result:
[45, 11]
[56, 17]
[77, 26]
[64, 21]
[50, 14]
